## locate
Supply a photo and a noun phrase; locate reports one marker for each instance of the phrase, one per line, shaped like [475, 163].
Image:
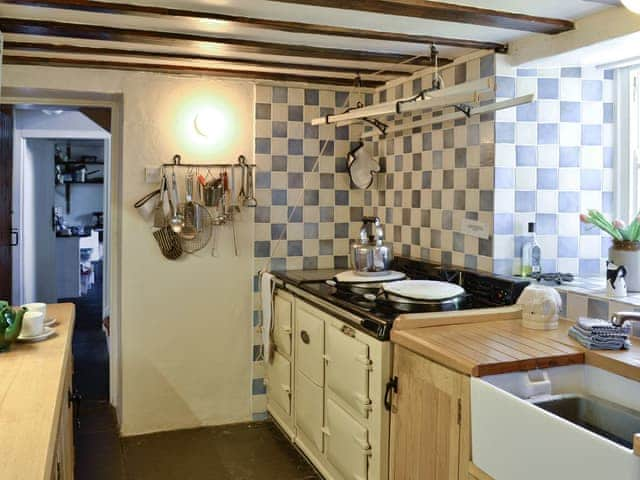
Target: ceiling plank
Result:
[182, 70]
[14, 46]
[447, 12]
[115, 34]
[259, 23]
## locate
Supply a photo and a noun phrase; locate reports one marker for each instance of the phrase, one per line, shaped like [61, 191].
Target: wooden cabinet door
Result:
[68, 450]
[425, 419]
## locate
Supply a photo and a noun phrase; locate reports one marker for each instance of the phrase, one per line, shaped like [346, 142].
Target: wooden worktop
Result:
[497, 343]
[31, 383]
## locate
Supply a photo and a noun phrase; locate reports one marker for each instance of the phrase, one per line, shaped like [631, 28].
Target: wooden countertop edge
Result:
[410, 321]
[68, 357]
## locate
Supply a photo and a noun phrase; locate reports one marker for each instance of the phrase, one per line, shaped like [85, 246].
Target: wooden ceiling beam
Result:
[117, 8]
[447, 12]
[181, 70]
[14, 46]
[176, 39]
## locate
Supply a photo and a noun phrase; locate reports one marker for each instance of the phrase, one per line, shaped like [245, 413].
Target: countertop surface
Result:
[31, 383]
[487, 347]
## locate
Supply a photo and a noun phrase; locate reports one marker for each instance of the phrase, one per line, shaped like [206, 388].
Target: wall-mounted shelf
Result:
[79, 163]
[98, 181]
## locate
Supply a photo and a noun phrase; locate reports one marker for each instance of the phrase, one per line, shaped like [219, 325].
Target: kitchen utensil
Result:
[10, 324]
[203, 234]
[80, 174]
[235, 236]
[188, 210]
[362, 167]
[251, 198]
[169, 243]
[540, 307]
[160, 217]
[242, 195]
[214, 241]
[371, 255]
[145, 206]
[177, 220]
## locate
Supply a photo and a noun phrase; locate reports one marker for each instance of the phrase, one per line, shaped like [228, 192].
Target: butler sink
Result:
[560, 423]
[603, 418]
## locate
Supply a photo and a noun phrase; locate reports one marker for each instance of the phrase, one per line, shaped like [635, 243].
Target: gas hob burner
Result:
[555, 277]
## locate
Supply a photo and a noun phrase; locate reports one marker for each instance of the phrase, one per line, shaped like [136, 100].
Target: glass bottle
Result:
[531, 255]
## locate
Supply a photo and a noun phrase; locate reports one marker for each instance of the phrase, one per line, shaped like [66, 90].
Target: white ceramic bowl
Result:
[32, 324]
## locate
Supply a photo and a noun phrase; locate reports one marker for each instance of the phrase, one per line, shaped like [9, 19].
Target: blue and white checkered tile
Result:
[305, 214]
[437, 176]
[554, 158]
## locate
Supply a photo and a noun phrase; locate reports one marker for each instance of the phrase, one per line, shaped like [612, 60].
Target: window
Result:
[628, 141]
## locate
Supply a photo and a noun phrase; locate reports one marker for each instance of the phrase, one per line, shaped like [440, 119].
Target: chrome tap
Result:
[619, 318]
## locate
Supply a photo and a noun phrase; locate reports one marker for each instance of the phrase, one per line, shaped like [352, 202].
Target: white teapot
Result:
[540, 307]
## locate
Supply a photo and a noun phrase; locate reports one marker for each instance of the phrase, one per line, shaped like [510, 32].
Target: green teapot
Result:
[10, 324]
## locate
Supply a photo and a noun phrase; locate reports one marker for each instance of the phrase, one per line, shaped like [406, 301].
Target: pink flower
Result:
[619, 224]
[584, 218]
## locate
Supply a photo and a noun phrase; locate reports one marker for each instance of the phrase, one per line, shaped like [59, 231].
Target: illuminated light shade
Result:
[210, 123]
[633, 5]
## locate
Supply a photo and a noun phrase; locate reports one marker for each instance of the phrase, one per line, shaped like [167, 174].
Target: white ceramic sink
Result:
[573, 422]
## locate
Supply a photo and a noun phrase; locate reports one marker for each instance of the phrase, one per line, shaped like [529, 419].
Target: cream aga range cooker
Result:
[331, 370]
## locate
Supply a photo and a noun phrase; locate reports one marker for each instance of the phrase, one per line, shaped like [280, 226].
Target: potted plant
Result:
[625, 249]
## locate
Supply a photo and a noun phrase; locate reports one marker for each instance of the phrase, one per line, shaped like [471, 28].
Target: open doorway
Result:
[61, 165]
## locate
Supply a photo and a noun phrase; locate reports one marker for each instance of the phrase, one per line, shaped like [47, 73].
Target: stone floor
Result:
[240, 452]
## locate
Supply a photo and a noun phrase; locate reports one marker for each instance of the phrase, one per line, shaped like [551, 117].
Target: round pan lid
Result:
[352, 276]
[424, 289]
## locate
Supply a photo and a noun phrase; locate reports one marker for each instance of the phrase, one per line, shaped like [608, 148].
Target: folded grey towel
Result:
[598, 343]
[601, 326]
[604, 334]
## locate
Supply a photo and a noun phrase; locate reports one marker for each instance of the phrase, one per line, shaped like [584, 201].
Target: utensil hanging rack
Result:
[177, 162]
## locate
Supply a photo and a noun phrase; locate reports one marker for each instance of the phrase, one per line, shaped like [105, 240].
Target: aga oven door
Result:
[282, 322]
[279, 386]
[347, 444]
[348, 367]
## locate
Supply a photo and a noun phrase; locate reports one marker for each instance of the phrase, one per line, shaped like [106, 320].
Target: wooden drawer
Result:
[348, 367]
[309, 400]
[283, 323]
[310, 342]
[279, 382]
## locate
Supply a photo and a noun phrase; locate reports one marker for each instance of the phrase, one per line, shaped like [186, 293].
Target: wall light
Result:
[633, 5]
[209, 123]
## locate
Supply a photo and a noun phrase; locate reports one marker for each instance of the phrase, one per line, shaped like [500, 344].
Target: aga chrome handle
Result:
[304, 335]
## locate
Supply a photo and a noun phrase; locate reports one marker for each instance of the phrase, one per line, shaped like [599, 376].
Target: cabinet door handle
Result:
[304, 335]
[392, 387]
[15, 238]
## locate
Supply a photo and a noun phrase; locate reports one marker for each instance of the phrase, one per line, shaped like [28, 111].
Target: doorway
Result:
[61, 159]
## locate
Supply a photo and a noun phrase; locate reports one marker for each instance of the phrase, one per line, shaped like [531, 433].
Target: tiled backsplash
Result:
[306, 211]
[554, 159]
[435, 176]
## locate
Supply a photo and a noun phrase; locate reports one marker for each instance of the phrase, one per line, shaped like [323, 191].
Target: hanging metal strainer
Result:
[198, 217]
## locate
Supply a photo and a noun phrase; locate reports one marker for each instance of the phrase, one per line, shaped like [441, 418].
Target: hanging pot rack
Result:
[472, 110]
[470, 92]
[177, 162]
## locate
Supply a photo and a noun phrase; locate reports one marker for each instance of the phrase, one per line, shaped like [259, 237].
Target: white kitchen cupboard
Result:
[279, 373]
[337, 416]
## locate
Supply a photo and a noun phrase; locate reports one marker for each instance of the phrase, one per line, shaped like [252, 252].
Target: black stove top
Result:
[483, 290]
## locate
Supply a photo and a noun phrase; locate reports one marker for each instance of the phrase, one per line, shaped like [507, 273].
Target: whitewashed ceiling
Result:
[299, 41]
